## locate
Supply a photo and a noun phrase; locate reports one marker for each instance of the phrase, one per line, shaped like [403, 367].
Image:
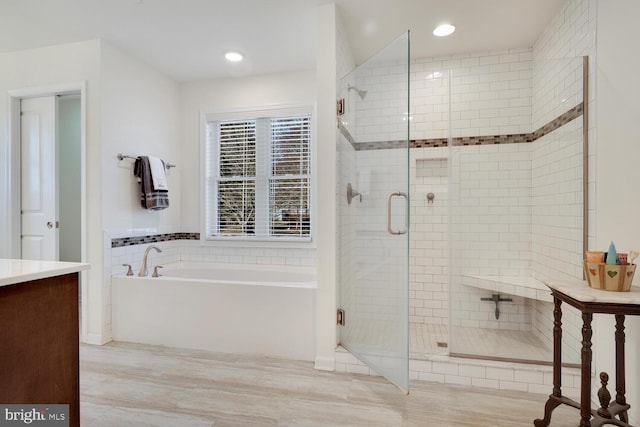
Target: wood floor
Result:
[148, 386]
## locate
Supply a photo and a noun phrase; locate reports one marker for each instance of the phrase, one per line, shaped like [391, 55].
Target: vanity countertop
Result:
[13, 271]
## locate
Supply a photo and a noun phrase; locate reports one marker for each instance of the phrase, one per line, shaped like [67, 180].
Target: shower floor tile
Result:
[426, 339]
[522, 345]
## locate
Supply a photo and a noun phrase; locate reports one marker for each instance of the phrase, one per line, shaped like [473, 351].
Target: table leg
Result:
[557, 347]
[620, 367]
[585, 393]
[557, 366]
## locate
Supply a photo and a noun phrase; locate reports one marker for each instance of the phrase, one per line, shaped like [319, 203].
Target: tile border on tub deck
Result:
[152, 238]
[519, 138]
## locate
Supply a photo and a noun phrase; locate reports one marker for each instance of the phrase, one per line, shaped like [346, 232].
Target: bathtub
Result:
[219, 307]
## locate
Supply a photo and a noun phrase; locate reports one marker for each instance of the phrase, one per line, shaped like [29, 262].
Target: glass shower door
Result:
[373, 146]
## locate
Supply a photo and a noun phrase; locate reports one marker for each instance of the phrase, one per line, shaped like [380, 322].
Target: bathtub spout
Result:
[143, 270]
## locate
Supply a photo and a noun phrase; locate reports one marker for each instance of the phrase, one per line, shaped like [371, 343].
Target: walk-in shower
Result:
[494, 160]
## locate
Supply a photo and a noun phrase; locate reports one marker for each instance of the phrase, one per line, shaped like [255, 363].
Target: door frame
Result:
[14, 171]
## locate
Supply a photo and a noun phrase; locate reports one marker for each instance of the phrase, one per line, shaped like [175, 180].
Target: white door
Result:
[39, 218]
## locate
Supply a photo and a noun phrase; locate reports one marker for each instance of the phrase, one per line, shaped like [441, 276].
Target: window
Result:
[258, 177]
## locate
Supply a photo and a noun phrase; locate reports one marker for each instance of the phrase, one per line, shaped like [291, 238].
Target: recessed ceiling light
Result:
[444, 30]
[232, 56]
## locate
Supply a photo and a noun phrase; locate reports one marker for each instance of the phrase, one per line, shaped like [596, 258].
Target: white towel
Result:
[157, 174]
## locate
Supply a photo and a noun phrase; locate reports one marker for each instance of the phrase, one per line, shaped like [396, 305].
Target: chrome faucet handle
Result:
[129, 270]
[155, 271]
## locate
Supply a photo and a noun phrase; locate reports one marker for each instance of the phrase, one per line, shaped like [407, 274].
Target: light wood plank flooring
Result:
[150, 386]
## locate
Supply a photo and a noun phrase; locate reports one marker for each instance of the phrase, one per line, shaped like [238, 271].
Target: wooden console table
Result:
[589, 301]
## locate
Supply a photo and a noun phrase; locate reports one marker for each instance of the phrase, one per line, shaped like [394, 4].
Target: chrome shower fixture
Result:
[352, 194]
[361, 93]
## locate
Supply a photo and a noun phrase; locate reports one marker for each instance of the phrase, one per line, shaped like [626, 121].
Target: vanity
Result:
[39, 334]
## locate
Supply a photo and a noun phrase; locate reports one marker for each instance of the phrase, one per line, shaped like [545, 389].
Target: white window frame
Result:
[256, 241]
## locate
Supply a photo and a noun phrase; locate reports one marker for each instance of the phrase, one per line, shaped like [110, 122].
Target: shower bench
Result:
[522, 286]
[589, 301]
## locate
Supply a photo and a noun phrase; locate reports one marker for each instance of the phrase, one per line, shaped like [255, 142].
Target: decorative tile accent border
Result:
[565, 118]
[520, 138]
[141, 240]
[517, 138]
[429, 143]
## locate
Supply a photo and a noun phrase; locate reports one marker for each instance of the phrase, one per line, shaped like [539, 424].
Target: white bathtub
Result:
[219, 307]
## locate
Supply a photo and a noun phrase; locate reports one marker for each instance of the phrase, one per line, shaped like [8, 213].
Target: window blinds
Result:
[258, 177]
[289, 182]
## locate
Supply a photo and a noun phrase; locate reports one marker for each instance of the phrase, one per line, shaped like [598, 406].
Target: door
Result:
[373, 146]
[39, 208]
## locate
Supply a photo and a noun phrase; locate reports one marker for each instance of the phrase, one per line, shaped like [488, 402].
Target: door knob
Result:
[49, 224]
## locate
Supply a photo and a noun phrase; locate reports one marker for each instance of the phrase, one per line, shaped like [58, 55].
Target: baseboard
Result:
[97, 339]
[325, 363]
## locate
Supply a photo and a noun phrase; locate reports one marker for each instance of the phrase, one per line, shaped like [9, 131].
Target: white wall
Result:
[618, 151]
[45, 68]
[140, 115]
[325, 91]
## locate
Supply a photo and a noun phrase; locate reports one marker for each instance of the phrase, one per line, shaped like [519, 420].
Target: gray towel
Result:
[149, 198]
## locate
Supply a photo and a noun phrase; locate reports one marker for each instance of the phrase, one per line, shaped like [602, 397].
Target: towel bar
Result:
[124, 156]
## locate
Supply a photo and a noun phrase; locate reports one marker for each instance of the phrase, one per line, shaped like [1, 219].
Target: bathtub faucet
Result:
[143, 270]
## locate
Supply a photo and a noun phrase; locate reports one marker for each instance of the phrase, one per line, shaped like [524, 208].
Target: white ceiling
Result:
[186, 39]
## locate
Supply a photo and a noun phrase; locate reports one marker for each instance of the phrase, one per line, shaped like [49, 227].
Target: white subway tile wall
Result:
[570, 34]
[429, 237]
[490, 94]
[557, 203]
[557, 80]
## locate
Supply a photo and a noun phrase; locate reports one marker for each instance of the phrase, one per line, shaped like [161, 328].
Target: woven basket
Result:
[615, 278]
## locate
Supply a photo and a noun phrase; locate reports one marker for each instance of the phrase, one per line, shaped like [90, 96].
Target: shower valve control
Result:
[430, 197]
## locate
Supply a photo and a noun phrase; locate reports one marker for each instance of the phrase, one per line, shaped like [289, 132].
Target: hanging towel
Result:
[149, 197]
[158, 174]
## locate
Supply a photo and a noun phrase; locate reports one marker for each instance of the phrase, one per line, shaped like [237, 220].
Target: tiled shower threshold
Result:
[506, 369]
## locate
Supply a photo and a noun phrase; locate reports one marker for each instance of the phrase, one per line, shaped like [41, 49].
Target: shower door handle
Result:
[389, 229]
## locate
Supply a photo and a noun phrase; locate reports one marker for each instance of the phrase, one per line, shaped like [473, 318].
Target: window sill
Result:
[282, 243]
